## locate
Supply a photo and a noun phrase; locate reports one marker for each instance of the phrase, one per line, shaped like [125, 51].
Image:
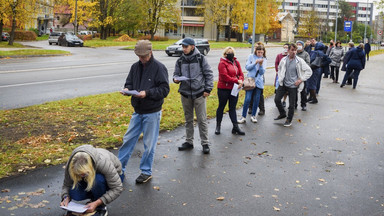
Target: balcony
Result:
[193, 3]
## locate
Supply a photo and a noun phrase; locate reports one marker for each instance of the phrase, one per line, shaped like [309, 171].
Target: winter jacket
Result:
[255, 69]
[346, 56]
[104, 163]
[304, 72]
[229, 73]
[195, 67]
[304, 55]
[356, 60]
[367, 48]
[319, 47]
[151, 78]
[336, 56]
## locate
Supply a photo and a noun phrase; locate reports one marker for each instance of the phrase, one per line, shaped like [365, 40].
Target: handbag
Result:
[317, 62]
[249, 83]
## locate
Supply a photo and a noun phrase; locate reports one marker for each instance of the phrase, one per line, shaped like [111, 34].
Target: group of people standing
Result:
[97, 174]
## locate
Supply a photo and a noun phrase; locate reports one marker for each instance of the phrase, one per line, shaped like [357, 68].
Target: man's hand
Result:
[91, 207]
[125, 89]
[65, 201]
[298, 82]
[206, 94]
[175, 80]
[141, 94]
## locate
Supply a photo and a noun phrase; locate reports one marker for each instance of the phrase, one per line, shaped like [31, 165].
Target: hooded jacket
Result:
[356, 60]
[254, 69]
[201, 77]
[229, 73]
[104, 163]
[151, 78]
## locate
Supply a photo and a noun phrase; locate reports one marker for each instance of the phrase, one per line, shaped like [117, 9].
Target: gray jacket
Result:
[336, 56]
[106, 164]
[195, 67]
[304, 55]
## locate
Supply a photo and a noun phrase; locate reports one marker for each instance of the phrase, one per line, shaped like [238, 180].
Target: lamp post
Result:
[254, 27]
[76, 17]
[337, 14]
[366, 22]
[182, 19]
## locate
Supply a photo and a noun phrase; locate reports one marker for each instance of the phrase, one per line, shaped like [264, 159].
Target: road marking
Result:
[61, 80]
[64, 67]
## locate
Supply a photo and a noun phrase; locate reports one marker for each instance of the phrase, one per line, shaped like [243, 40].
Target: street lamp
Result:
[337, 14]
[76, 17]
[254, 26]
[182, 19]
[366, 22]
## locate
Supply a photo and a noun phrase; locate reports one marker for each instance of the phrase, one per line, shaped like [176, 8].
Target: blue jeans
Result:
[149, 125]
[100, 187]
[247, 100]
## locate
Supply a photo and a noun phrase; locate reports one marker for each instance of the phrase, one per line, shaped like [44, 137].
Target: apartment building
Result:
[379, 28]
[327, 9]
[43, 19]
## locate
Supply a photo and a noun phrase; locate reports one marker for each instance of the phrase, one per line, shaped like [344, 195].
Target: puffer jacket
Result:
[229, 73]
[104, 163]
[254, 69]
[201, 79]
[336, 56]
[356, 60]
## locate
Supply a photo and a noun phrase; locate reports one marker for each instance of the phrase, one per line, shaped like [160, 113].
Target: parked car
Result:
[4, 36]
[68, 39]
[53, 38]
[85, 33]
[382, 44]
[201, 44]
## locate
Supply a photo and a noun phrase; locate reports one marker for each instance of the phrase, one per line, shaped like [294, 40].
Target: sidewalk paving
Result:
[329, 162]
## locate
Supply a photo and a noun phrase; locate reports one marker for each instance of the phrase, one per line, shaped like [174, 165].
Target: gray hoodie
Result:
[201, 79]
[105, 163]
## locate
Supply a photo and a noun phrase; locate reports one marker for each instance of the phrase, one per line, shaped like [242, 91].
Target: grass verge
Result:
[4, 44]
[46, 134]
[42, 37]
[29, 52]
[376, 52]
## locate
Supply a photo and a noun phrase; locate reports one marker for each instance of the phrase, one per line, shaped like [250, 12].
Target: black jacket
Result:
[151, 78]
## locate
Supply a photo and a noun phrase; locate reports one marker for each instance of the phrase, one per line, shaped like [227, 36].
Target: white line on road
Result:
[64, 67]
[61, 80]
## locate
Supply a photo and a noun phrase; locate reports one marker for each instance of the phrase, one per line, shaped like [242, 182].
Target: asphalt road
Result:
[88, 71]
[329, 162]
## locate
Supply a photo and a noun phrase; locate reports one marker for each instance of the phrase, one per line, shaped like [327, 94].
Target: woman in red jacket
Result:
[230, 73]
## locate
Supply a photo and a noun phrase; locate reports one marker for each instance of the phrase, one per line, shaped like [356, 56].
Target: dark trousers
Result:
[367, 54]
[224, 97]
[335, 73]
[303, 97]
[355, 76]
[292, 94]
[261, 101]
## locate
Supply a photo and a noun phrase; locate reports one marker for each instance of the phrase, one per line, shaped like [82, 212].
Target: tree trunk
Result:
[230, 30]
[218, 32]
[1, 27]
[152, 35]
[12, 38]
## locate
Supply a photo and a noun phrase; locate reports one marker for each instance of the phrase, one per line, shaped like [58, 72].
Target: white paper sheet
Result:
[130, 92]
[75, 207]
[235, 90]
[182, 78]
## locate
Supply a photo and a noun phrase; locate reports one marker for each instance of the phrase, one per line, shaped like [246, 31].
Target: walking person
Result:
[230, 73]
[194, 91]
[351, 45]
[293, 71]
[149, 78]
[336, 56]
[367, 49]
[303, 93]
[256, 66]
[95, 174]
[355, 63]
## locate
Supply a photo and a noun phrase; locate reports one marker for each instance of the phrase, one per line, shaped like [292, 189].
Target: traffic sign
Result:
[380, 32]
[347, 26]
[245, 26]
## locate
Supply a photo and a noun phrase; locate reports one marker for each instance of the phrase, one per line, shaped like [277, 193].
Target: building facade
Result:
[43, 19]
[379, 28]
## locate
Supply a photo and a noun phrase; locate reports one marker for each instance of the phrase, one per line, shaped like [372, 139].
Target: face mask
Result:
[230, 56]
[299, 47]
[285, 50]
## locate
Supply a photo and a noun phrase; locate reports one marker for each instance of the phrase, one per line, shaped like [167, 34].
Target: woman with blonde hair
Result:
[230, 73]
[95, 174]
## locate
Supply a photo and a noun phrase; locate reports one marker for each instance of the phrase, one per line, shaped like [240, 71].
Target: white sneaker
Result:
[241, 120]
[253, 119]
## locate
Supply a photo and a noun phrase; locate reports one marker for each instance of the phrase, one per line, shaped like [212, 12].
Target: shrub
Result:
[124, 38]
[34, 30]
[85, 37]
[25, 35]
[155, 38]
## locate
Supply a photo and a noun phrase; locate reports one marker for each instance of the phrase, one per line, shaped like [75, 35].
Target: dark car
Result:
[4, 36]
[201, 44]
[69, 39]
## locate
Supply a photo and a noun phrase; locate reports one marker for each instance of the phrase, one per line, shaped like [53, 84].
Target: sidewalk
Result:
[329, 162]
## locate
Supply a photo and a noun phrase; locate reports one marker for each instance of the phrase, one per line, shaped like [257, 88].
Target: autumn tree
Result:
[130, 16]
[216, 11]
[309, 24]
[4, 18]
[85, 11]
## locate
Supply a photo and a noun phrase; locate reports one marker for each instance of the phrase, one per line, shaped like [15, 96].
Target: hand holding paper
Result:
[75, 207]
[182, 78]
[129, 92]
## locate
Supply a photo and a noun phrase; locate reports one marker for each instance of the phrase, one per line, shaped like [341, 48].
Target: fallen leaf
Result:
[339, 139]
[322, 180]
[12, 208]
[184, 204]
[156, 188]
[220, 198]
[8, 201]
[299, 120]
[339, 163]
[257, 196]
[47, 161]
[5, 191]
[165, 156]
[297, 162]
[276, 209]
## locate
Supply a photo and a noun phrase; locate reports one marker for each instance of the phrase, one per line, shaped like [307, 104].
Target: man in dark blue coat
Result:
[367, 49]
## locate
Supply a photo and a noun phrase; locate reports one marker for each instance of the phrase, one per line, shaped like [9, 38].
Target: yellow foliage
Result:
[124, 38]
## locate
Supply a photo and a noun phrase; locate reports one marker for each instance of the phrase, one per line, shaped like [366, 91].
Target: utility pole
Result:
[366, 23]
[337, 14]
[182, 19]
[254, 27]
[76, 17]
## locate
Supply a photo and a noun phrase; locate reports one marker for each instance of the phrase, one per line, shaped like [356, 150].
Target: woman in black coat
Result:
[355, 63]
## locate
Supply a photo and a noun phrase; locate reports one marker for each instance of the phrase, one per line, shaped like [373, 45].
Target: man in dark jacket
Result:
[148, 84]
[367, 49]
[195, 76]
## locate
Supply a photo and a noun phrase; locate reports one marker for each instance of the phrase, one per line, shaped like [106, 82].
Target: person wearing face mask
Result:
[277, 62]
[305, 56]
[230, 73]
[256, 66]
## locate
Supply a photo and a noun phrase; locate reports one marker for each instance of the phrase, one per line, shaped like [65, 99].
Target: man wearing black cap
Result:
[195, 76]
[149, 78]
